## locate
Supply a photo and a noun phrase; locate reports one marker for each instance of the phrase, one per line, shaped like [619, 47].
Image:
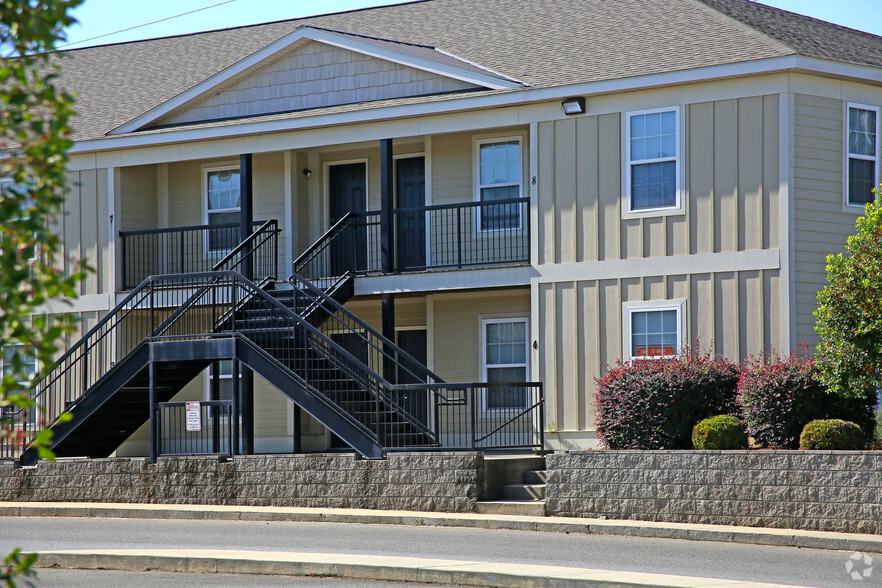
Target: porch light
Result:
[573, 105]
[307, 172]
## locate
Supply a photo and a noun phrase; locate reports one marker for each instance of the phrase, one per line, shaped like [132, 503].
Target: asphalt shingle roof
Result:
[543, 43]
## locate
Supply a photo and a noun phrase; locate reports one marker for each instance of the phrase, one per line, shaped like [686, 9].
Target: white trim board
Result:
[437, 281]
[299, 35]
[523, 96]
[702, 263]
[87, 303]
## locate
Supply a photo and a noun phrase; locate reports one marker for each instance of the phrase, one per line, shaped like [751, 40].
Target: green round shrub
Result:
[719, 432]
[832, 434]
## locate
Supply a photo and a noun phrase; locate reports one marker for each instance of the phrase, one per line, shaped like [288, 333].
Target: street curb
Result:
[692, 532]
[388, 568]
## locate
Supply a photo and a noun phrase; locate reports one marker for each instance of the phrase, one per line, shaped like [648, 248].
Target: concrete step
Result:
[534, 508]
[523, 492]
[535, 477]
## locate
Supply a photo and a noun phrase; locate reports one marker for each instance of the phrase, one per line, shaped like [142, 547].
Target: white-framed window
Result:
[8, 184]
[652, 160]
[653, 330]
[498, 176]
[862, 158]
[221, 200]
[505, 358]
[29, 361]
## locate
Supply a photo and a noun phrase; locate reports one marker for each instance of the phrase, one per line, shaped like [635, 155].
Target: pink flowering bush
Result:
[654, 404]
[778, 396]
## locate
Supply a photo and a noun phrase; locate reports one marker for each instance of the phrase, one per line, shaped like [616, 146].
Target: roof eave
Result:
[521, 97]
[491, 80]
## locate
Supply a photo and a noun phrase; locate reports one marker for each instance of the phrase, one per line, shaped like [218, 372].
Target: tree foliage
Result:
[34, 139]
[850, 312]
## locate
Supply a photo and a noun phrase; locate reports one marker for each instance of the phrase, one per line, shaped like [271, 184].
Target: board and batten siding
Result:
[734, 313]
[139, 200]
[729, 179]
[82, 227]
[729, 160]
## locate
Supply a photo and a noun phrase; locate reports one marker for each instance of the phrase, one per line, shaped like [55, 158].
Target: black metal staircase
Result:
[171, 328]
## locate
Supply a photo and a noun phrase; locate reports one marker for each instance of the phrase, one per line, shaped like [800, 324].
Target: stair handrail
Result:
[321, 243]
[79, 352]
[219, 266]
[84, 345]
[370, 379]
[320, 297]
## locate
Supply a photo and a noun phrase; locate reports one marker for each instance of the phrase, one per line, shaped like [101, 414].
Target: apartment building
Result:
[501, 192]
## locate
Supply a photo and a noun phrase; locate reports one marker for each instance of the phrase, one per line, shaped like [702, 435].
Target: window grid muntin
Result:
[874, 130]
[490, 363]
[673, 126]
[506, 220]
[672, 330]
[234, 197]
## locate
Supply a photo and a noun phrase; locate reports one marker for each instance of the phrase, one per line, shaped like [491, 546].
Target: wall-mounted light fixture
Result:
[573, 105]
[307, 172]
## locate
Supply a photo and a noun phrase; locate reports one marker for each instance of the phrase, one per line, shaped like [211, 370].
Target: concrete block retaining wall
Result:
[816, 490]
[447, 482]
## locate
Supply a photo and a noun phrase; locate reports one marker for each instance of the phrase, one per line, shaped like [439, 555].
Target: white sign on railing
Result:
[194, 416]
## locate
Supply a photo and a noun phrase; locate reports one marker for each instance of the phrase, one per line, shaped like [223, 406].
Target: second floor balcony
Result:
[429, 238]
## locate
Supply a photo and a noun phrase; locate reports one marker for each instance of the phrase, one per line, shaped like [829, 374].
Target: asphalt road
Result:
[783, 565]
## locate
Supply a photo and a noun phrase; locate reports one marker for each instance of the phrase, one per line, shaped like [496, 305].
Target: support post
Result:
[388, 308]
[154, 436]
[247, 387]
[246, 207]
[387, 203]
[236, 408]
[214, 394]
[298, 430]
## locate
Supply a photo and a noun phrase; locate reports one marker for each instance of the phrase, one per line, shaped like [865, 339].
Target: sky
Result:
[100, 17]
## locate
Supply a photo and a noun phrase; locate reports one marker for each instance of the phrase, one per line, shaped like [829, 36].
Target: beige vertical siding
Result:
[731, 180]
[580, 328]
[138, 197]
[820, 225]
[83, 227]
[268, 186]
[452, 168]
[302, 238]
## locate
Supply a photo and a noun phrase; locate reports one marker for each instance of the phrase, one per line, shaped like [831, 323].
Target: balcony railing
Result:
[451, 236]
[446, 236]
[183, 250]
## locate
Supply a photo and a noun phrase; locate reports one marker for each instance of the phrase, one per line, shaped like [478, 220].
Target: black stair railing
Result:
[179, 250]
[334, 254]
[95, 354]
[460, 415]
[237, 307]
[259, 252]
[382, 354]
[143, 313]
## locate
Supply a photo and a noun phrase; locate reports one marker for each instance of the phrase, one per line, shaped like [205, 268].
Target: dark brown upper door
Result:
[348, 193]
[410, 235]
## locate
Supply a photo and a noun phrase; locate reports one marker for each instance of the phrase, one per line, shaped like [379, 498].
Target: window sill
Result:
[653, 212]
